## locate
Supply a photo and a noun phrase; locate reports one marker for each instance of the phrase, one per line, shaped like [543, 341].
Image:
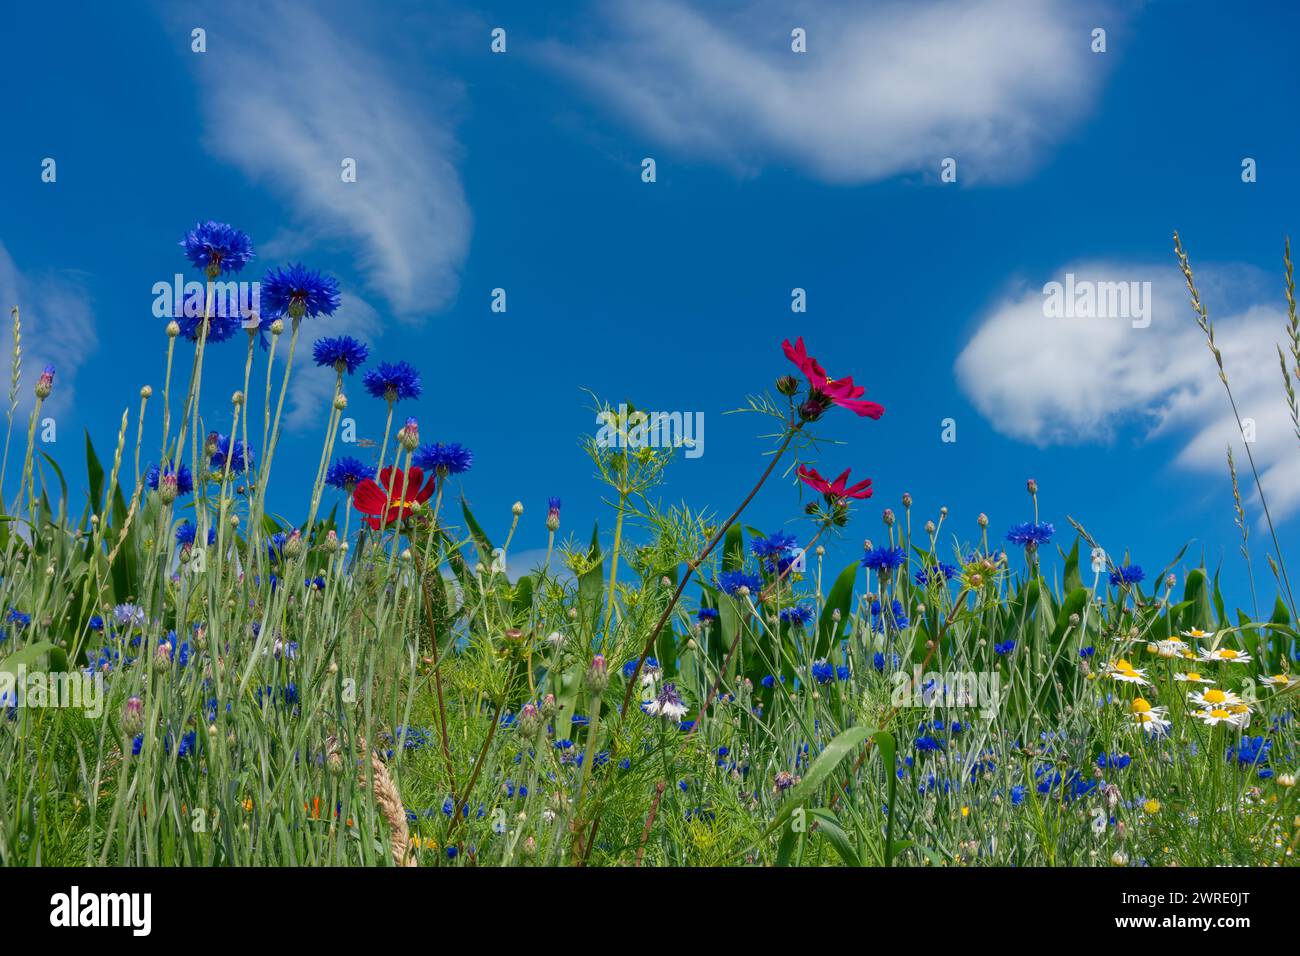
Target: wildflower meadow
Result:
[195, 680]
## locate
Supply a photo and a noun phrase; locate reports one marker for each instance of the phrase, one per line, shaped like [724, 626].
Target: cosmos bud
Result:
[787, 385]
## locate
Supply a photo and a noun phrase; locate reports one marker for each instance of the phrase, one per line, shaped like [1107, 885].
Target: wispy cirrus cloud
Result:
[884, 89]
[58, 328]
[289, 92]
[1055, 381]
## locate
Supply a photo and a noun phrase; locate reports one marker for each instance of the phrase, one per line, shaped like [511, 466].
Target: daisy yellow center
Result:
[1220, 713]
[1228, 653]
[1281, 678]
[1123, 665]
[1192, 675]
[1215, 696]
[1239, 709]
[1140, 705]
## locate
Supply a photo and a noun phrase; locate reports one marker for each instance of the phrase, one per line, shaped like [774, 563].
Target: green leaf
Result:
[821, 769]
[35, 657]
[840, 598]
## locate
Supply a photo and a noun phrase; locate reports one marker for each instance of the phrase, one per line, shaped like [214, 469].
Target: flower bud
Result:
[517, 508]
[146, 391]
[45, 384]
[277, 327]
[340, 402]
[167, 488]
[888, 517]
[293, 544]
[331, 543]
[529, 720]
[173, 329]
[408, 436]
[787, 385]
[907, 499]
[162, 657]
[132, 716]
[597, 676]
[983, 520]
[1032, 486]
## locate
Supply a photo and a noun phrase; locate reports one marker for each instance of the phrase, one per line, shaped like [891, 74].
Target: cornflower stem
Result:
[420, 570]
[383, 449]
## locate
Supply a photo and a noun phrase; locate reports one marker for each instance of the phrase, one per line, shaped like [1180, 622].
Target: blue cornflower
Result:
[732, 581]
[18, 618]
[238, 452]
[897, 614]
[939, 573]
[774, 546]
[186, 533]
[884, 560]
[1113, 761]
[823, 672]
[1130, 574]
[1004, 648]
[797, 616]
[275, 546]
[96, 623]
[217, 247]
[346, 473]
[393, 381]
[184, 480]
[651, 666]
[842, 672]
[706, 615]
[927, 744]
[1250, 750]
[1031, 532]
[128, 616]
[342, 353]
[297, 291]
[220, 327]
[1087, 652]
[449, 458]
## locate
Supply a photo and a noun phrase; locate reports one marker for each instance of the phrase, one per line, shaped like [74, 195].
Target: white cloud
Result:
[58, 328]
[289, 94]
[884, 89]
[1074, 381]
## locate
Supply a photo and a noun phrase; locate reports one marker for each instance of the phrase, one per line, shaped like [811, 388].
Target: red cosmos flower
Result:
[382, 502]
[837, 488]
[841, 391]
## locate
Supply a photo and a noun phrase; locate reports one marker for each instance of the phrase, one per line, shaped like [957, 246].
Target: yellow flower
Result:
[965, 811]
[1151, 806]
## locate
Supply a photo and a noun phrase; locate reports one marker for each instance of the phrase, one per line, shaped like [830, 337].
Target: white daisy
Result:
[1277, 680]
[1192, 677]
[1226, 654]
[1219, 715]
[1214, 697]
[1123, 671]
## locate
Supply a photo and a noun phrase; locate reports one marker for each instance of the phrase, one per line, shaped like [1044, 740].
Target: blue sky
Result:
[775, 170]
